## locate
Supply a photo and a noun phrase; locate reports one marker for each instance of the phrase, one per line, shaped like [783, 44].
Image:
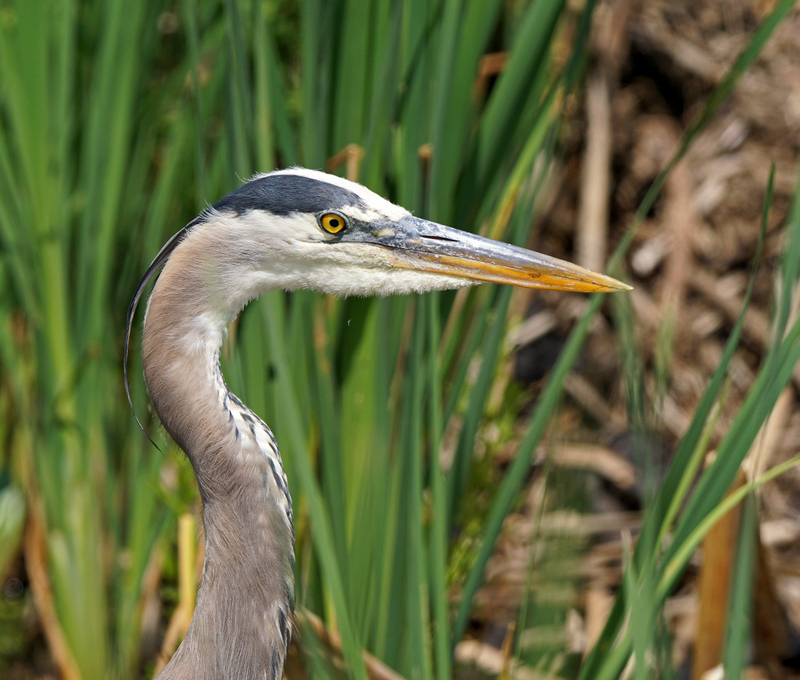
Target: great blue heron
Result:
[290, 229]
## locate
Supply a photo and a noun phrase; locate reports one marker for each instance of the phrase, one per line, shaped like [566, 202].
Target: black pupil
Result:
[334, 223]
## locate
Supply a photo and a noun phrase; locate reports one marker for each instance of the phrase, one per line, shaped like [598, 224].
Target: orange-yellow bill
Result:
[427, 246]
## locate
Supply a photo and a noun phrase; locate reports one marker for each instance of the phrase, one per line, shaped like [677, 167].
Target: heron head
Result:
[303, 229]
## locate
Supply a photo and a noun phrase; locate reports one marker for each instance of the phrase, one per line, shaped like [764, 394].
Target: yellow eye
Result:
[332, 222]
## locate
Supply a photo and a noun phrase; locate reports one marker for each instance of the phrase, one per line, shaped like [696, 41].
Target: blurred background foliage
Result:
[119, 121]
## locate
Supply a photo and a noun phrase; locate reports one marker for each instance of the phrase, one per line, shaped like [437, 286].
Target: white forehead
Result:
[374, 205]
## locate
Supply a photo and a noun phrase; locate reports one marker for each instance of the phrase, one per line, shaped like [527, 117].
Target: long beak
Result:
[427, 246]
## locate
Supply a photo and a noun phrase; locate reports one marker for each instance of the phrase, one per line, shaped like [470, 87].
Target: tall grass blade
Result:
[741, 596]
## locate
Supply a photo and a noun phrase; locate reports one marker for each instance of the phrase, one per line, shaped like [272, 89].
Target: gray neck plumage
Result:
[242, 622]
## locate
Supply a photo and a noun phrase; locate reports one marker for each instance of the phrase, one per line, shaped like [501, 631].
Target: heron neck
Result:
[240, 627]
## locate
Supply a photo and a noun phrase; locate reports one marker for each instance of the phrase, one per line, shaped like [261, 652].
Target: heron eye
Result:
[333, 223]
